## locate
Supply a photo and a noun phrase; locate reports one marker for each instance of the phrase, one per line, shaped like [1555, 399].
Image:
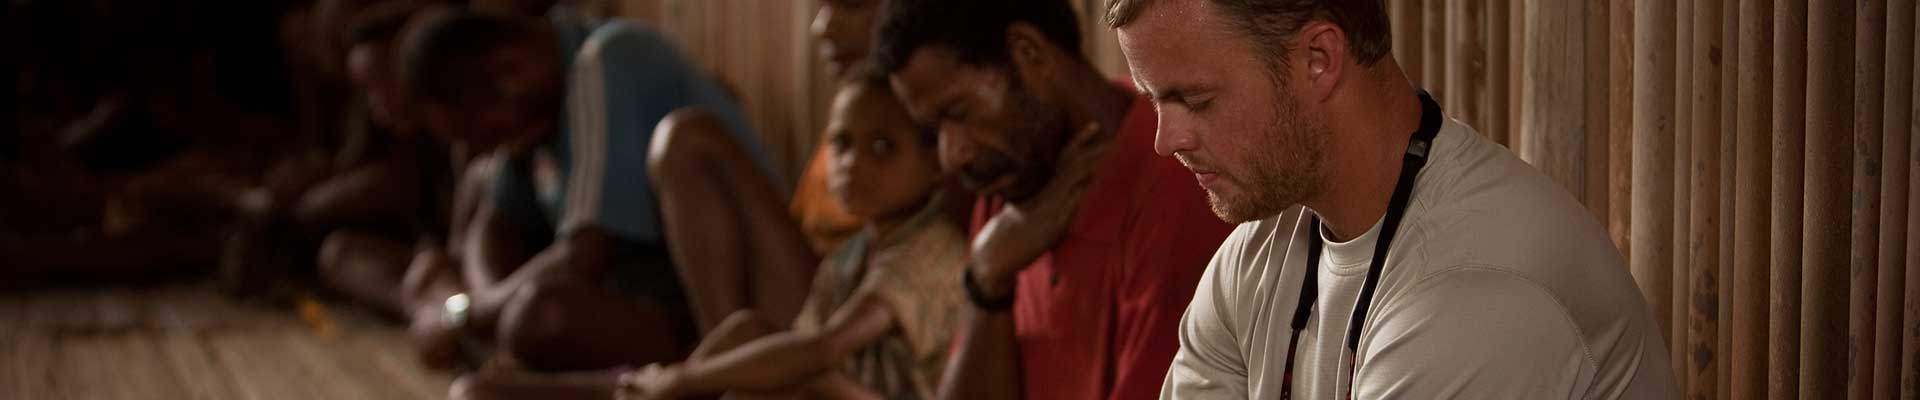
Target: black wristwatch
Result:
[979, 299]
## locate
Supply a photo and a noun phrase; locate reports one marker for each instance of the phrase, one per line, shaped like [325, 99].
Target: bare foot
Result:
[437, 344]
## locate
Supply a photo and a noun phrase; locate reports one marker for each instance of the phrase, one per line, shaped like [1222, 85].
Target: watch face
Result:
[456, 309]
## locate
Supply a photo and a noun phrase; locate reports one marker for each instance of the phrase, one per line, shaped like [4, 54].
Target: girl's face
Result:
[881, 165]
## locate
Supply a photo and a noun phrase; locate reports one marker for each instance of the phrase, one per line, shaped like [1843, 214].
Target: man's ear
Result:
[1029, 52]
[1326, 56]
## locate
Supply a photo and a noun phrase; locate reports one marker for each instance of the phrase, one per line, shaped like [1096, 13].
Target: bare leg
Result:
[431, 278]
[367, 267]
[727, 228]
[739, 328]
[570, 325]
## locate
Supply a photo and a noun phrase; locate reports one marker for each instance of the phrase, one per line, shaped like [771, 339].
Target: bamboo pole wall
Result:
[1896, 135]
[1864, 235]
[1598, 100]
[1823, 282]
[1748, 356]
[1407, 37]
[1729, 155]
[1910, 338]
[1433, 70]
[1552, 108]
[1754, 160]
[1789, 139]
[1620, 123]
[1703, 235]
[1653, 127]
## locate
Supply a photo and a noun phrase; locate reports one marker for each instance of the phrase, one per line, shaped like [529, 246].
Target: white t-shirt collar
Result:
[1352, 255]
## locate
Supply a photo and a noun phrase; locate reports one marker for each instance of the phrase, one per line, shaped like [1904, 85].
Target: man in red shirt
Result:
[1073, 299]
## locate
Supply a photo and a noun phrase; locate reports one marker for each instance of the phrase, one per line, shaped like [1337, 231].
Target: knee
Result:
[534, 322]
[463, 388]
[470, 387]
[427, 265]
[681, 140]
[334, 251]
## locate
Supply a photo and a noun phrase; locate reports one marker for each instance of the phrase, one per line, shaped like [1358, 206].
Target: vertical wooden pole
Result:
[1682, 168]
[1897, 135]
[1620, 60]
[1823, 284]
[1409, 47]
[1869, 57]
[1753, 182]
[1910, 336]
[1457, 61]
[1499, 71]
[1555, 121]
[1729, 156]
[1598, 89]
[1517, 66]
[1434, 15]
[1653, 80]
[1789, 138]
[1703, 250]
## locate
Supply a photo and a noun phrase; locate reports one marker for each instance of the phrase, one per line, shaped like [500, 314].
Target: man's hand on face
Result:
[1025, 230]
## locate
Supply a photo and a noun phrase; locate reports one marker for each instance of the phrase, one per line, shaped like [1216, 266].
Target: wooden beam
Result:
[1703, 236]
[1499, 71]
[1897, 135]
[1408, 45]
[1434, 21]
[1517, 66]
[1682, 168]
[1748, 358]
[1465, 56]
[1869, 64]
[1729, 156]
[1823, 282]
[1554, 123]
[1653, 129]
[1597, 90]
[1620, 60]
[1910, 340]
[1789, 138]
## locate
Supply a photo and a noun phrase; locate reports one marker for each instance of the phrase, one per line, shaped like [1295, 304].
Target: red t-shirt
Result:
[1098, 316]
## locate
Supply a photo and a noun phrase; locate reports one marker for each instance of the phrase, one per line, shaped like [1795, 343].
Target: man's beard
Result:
[1286, 168]
[1038, 129]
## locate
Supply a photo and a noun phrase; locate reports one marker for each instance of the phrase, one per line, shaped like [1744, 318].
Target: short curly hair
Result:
[976, 29]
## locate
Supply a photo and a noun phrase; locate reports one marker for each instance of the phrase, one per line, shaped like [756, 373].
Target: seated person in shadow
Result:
[563, 266]
[884, 305]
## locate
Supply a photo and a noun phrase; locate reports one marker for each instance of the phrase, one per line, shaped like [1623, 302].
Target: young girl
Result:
[884, 304]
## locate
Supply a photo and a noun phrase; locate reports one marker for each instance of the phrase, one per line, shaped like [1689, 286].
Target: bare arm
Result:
[580, 257]
[494, 247]
[387, 189]
[986, 365]
[785, 359]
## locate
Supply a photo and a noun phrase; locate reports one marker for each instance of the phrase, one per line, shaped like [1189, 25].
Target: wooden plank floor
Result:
[186, 341]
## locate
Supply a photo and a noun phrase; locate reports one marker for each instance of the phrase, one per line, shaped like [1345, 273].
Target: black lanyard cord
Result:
[1418, 147]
